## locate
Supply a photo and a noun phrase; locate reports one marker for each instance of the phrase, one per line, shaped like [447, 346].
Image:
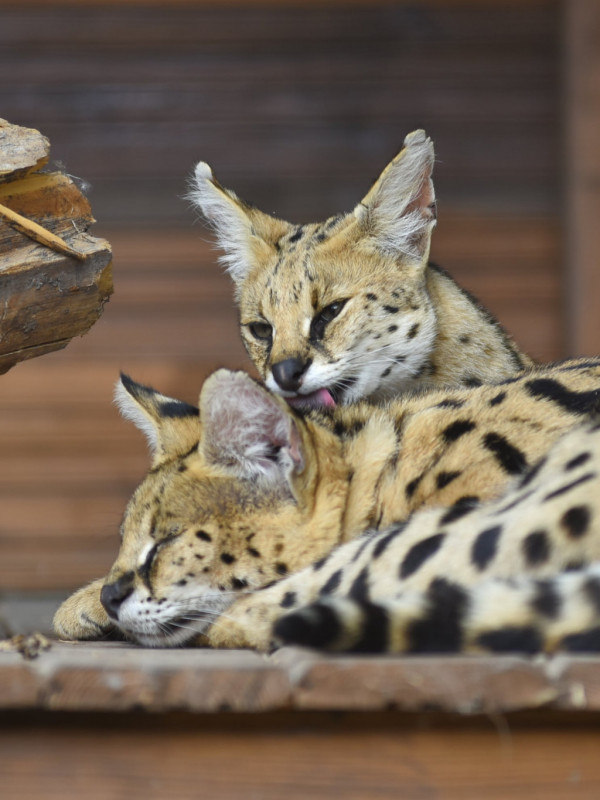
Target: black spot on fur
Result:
[546, 600]
[510, 458]
[252, 551]
[444, 478]
[374, 630]
[297, 235]
[339, 428]
[332, 583]
[485, 546]
[386, 372]
[553, 390]
[412, 486]
[320, 563]
[413, 331]
[471, 381]
[182, 582]
[419, 553]
[464, 339]
[239, 583]
[450, 402]
[281, 568]
[582, 458]
[462, 507]
[576, 521]
[359, 590]
[227, 558]
[585, 642]
[392, 328]
[563, 489]
[206, 537]
[371, 296]
[349, 430]
[499, 398]
[457, 429]
[390, 309]
[536, 548]
[316, 625]
[385, 539]
[288, 600]
[440, 629]
[512, 639]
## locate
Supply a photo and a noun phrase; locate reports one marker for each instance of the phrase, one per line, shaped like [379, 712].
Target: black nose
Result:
[288, 373]
[113, 594]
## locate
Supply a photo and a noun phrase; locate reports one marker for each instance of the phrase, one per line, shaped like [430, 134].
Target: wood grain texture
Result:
[297, 107]
[296, 756]
[119, 677]
[582, 102]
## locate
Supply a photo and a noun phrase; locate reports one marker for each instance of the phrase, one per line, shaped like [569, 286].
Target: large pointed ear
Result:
[172, 427]
[249, 430]
[399, 211]
[244, 233]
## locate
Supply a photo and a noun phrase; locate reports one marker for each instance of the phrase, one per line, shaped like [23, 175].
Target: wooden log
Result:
[54, 276]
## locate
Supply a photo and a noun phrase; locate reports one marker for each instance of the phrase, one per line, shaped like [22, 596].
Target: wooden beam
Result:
[582, 106]
[54, 277]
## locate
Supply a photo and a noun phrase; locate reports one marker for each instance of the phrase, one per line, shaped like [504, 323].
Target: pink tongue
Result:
[322, 398]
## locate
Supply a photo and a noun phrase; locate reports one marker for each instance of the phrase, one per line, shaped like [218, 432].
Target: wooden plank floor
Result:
[225, 725]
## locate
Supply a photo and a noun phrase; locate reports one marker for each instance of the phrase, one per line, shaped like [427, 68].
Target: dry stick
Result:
[39, 234]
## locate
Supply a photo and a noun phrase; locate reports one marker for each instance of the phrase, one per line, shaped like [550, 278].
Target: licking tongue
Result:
[322, 398]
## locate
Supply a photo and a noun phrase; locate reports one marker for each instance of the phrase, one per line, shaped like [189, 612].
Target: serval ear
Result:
[171, 426]
[245, 234]
[249, 430]
[398, 212]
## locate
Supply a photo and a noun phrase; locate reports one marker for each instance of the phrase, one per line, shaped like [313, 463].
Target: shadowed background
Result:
[298, 108]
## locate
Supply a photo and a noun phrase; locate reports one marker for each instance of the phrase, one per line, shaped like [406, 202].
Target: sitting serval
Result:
[463, 519]
[350, 308]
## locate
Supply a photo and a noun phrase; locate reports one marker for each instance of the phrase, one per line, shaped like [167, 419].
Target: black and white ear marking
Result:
[247, 428]
[399, 210]
[152, 412]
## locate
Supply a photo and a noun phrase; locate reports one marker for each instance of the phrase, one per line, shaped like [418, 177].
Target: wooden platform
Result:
[214, 724]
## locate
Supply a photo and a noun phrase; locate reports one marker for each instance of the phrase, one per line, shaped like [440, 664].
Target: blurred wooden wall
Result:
[298, 107]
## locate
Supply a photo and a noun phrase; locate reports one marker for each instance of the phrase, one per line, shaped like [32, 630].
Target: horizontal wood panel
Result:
[132, 98]
[305, 756]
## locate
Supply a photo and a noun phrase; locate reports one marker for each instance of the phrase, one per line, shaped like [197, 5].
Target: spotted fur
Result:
[458, 520]
[350, 308]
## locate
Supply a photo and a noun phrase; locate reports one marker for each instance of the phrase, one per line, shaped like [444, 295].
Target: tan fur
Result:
[257, 493]
[352, 305]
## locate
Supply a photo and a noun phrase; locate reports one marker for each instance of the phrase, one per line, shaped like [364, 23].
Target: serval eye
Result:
[261, 330]
[331, 311]
[317, 328]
